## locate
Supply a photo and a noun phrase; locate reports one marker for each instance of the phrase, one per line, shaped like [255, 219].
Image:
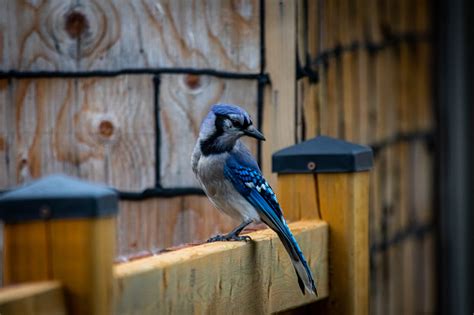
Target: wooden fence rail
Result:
[63, 229]
[36, 298]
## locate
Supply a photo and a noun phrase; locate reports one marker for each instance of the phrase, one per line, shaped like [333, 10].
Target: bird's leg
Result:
[233, 235]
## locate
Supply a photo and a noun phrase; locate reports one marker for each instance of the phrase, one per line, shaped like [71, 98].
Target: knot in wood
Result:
[23, 162]
[106, 128]
[192, 81]
[76, 24]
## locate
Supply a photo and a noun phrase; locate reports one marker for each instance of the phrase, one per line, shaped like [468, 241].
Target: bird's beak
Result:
[251, 131]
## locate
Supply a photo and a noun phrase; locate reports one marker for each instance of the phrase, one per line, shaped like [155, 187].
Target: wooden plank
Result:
[280, 95]
[424, 89]
[98, 129]
[77, 252]
[23, 244]
[200, 220]
[350, 96]
[330, 109]
[301, 83]
[112, 35]
[423, 178]
[297, 194]
[350, 33]
[308, 91]
[4, 132]
[38, 298]
[386, 94]
[147, 226]
[429, 297]
[215, 278]
[115, 131]
[184, 101]
[365, 79]
[82, 254]
[331, 112]
[379, 218]
[396, 197]
[322, 98]
[150, 226]
[343, 201]
[408, 70]
[424, 70]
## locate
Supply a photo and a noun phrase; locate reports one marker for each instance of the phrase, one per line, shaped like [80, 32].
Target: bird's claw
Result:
[227, 237]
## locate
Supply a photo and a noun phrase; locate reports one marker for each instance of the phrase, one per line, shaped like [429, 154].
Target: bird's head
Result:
[223, 126]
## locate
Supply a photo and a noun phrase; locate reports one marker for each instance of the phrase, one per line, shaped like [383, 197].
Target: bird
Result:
[233, 182]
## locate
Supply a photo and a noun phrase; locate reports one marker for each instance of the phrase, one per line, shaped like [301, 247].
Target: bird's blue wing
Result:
[250, 183]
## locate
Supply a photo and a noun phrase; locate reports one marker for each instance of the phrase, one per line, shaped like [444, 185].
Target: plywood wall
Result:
[78, 95]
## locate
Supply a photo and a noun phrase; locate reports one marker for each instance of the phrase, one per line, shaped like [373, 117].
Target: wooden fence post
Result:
[63, 229]
[328, 179]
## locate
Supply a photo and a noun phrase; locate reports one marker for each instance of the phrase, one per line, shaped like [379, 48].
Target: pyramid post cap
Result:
[57, 196]
[323, 155]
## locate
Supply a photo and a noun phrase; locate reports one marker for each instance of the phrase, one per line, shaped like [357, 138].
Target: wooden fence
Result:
[114, 92]
[374, 65]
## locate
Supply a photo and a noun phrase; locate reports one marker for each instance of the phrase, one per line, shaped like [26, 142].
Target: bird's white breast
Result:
[221, 192]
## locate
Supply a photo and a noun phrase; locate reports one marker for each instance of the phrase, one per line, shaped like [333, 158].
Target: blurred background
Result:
[114, 92]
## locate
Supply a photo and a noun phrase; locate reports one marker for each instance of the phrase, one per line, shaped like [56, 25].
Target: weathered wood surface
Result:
[184, 102]
[307, 91]
[217, 277]
[88, 35]
[36, 298]
[280, 95]
[101, 129]
[153, 225]
[370, 96]
[362, 95]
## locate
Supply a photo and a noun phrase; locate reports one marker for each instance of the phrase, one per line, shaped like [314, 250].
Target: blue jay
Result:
[235, 185]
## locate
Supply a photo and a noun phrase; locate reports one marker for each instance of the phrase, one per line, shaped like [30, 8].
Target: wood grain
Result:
[343, 201]
[82, 253]
[153, 225]
[77, 252]
[98, 129]
[297, 194]
[88, 35]
[36, 298]
[215, 278]
[184, 102]
[22, 244]
[4, 134]
[280, 95]
[309, 92]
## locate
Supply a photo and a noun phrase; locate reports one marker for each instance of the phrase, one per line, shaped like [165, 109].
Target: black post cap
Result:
[55, 197]
[323, 155]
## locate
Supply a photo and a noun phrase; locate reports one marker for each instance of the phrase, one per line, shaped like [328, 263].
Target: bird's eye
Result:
[236, 123]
